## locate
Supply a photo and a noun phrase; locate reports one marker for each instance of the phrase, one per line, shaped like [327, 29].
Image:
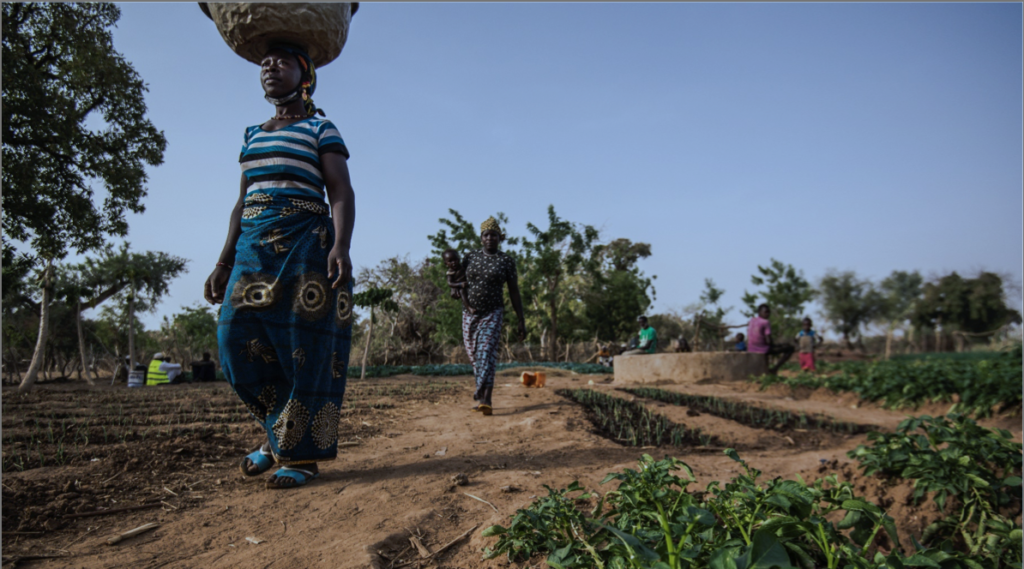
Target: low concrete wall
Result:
[688, 368]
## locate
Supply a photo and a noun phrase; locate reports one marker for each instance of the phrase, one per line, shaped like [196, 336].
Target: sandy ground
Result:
[410, 436]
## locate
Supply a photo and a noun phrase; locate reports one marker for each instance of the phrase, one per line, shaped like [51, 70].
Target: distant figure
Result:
[162, 371]
[604, 356]
[759, 334]
[204, 369]
[456, 278]
[682, 346]
[741, 343]
[807, 340]
[648, 339]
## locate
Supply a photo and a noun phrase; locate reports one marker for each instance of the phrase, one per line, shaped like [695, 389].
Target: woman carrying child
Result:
[488, 271]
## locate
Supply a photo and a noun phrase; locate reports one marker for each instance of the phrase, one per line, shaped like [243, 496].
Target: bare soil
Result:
[70, 449]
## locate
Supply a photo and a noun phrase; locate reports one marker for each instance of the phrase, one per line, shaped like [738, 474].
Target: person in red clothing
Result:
[759, 340]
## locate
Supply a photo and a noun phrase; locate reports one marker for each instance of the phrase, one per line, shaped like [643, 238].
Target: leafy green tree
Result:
[374, 299]
[974, 306]
[617, 291]
[848, 303]
[900, 291]
[786, 291]
[60, 69]
[136, 281]
[550, 258]
[190, 332]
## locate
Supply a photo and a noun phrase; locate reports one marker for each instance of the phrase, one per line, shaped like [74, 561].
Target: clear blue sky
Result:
[867, 136]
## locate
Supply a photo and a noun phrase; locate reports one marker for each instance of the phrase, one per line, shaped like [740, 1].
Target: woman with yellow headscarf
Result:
[488, 271]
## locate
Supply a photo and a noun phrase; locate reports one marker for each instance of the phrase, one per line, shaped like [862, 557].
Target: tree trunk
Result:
[888, 342]
[938, 335]
[366, 347]
[131, 330]
[81, 344]
[44, 318]
[553, 307]
[847, 342]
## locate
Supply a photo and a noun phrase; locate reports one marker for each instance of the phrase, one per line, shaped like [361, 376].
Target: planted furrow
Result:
[631, 423]
[749, 415]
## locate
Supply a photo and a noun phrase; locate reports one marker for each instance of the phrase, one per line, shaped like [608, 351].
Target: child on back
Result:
[807, 339]
[456, 277]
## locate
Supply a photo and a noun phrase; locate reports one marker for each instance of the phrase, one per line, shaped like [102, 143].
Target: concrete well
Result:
[687, 368]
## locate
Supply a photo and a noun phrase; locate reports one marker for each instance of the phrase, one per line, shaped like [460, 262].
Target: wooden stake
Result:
[132, 533]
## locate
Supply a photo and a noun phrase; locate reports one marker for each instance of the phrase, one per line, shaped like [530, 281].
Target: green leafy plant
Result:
[954, 457]
[652, 521]
[631, 423]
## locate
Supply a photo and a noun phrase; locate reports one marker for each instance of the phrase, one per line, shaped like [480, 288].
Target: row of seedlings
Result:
[631, 423]
[750, 415]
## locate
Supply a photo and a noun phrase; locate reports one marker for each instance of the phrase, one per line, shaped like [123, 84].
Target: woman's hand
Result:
[338, 261]
[216, 285]
[522, 331]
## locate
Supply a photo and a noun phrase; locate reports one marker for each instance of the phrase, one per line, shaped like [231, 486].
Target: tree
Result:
[417, 296]
[785, 291]
[974, 306]
[373, 298]
[191, 332]
[616, 291]
[848, 302]
[136, 280]
[550, 258]
[900, 292]
[61, 70]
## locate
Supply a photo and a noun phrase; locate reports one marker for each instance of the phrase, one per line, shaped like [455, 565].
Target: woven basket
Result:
[248, 28]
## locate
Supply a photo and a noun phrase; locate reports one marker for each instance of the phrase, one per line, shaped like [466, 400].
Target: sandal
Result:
[263, 461]
[485, 409]
[301, 477]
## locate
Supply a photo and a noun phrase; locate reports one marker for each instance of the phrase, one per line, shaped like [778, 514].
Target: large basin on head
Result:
[249, 27]
[687, 368]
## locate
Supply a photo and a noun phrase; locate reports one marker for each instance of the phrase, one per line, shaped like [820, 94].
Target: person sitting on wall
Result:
[759, 332]
[162, 371]
[648, 339]
[741, 343]
[204, 369]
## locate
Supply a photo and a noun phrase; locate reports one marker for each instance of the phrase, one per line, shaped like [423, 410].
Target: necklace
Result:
[287, 117]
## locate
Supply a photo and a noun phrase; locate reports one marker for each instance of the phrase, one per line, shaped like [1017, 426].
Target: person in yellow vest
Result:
[161, 370]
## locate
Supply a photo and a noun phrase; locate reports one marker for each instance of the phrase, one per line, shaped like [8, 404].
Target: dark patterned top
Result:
[487, 275]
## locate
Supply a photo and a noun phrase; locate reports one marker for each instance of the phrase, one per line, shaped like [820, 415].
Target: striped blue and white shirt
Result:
[286, 162]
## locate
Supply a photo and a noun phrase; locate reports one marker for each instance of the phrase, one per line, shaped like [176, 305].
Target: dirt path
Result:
[413, 439]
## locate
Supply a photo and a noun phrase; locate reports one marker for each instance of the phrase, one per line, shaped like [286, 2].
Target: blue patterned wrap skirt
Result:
[481, 334]
[284, 334]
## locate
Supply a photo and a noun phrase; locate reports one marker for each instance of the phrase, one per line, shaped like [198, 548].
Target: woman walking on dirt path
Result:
[284, 331]
[488, 270]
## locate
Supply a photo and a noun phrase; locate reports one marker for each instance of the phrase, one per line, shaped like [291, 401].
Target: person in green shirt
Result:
[648, 339]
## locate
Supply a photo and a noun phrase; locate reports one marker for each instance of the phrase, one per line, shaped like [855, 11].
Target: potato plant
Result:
[954, 457]
[652, 521]
[975, 386]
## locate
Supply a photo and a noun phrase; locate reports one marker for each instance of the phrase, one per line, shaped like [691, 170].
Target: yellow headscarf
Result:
[490, 224]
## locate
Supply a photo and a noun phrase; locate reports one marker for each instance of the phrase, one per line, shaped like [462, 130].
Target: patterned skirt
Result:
[284, 334]
[481, 333]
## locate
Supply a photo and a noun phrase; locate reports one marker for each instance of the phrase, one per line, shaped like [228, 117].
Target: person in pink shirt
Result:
[759, 339]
